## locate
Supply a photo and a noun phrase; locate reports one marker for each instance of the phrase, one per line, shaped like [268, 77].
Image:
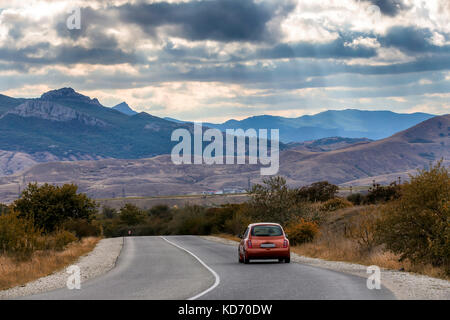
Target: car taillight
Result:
[285, 243]
[249, 243]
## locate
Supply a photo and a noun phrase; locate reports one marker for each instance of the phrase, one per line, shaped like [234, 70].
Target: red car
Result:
[264, 241]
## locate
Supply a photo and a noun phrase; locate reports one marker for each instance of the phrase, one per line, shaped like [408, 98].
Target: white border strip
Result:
[217, 281]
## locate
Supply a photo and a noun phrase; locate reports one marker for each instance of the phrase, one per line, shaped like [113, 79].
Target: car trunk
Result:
[266, 241]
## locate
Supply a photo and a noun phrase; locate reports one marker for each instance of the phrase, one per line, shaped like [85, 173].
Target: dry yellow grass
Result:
[42, 263]
[341, 249]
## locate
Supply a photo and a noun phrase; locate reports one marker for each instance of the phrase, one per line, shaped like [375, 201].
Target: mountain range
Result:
[342, 163]
[91, 139]
[349, 123]
[65, 125]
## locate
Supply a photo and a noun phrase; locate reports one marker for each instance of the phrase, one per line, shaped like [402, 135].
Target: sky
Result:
[203, 60]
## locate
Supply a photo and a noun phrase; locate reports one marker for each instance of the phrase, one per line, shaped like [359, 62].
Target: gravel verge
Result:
[95, 263]
[404, 285]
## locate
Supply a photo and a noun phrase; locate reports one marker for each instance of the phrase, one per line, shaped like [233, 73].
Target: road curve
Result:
[188, 266]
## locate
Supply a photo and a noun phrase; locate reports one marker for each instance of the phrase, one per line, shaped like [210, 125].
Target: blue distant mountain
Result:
[350, 123]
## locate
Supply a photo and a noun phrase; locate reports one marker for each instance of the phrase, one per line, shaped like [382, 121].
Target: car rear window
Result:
[266, 231]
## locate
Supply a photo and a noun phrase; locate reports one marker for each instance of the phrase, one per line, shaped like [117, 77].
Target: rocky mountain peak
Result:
[68, 93]
[124, 108]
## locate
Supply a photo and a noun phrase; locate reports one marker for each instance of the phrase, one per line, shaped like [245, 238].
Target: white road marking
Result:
[216, 276]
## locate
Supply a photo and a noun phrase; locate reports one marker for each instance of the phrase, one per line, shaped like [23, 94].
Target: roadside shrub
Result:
[59, 240]
[109, 213]
[301, 232]
[416, 225]
[4, 209]
[83, 228]
[159, 210]
[356, 198]
[239, 221]
[190, 220]
[18, 236]
[362, 229]
[335, 204]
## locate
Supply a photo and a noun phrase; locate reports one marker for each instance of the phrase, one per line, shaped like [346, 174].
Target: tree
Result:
[50, 206]
[131, 215]
[417, 224]
[318, 191]
[272, 200]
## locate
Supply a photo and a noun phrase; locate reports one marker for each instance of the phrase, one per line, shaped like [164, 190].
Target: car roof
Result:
[263, 223]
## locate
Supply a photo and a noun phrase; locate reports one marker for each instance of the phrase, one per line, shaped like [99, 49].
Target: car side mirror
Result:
[240, 236]
[286, 235]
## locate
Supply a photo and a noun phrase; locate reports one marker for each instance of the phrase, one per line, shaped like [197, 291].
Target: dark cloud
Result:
[67, 54]
[389, 7]
[221, 20]
[411, 40]
[339, 48]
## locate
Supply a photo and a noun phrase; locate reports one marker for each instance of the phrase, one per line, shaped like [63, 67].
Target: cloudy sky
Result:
[214, 60]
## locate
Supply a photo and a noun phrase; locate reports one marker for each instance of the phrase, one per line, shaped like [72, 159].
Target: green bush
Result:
[131, 215]
[238, 222]
[380, 194]
[190, 220]
[159, 210]
[271, 200]
[417, 224]
[58, 240]
[18, 236]
[318, 191]
[83, 228]
[356, 198]
[50, 206]
[109, 213]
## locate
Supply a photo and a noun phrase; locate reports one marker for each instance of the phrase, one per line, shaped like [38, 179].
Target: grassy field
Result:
[14, 273]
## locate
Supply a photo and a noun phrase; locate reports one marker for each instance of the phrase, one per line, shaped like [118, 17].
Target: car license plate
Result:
[267, 245]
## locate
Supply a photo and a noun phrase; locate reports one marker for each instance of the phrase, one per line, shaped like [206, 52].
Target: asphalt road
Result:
[184, 267]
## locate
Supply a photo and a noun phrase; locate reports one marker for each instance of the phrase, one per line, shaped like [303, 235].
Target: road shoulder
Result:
[99, 261]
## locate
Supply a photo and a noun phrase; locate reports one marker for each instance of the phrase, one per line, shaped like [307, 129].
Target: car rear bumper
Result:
[272, 253]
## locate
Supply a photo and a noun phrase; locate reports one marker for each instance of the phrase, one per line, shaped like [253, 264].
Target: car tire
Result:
[240, 258]
[287, 260]
[281, 260]
[246, 260]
